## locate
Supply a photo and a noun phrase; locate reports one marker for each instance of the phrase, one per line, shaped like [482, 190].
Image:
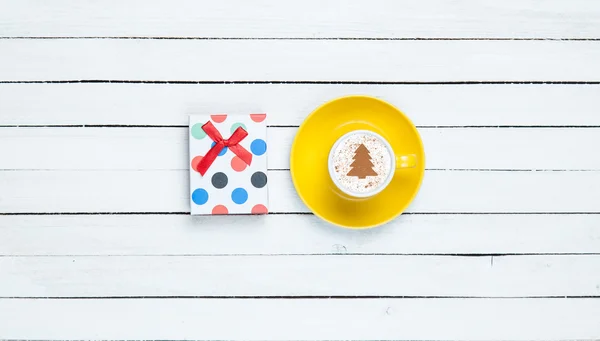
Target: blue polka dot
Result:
[200, 196]
[223, 151]
[239, 196]
[258, 147]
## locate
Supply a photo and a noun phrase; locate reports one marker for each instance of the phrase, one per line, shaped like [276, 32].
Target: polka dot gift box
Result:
[228, 164]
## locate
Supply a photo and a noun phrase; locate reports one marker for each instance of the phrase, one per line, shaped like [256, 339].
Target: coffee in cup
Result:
[362, 163]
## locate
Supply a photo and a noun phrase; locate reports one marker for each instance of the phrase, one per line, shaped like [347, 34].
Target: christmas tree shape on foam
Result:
[362, 165]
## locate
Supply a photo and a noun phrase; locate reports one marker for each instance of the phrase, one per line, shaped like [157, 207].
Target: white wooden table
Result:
[96, 241]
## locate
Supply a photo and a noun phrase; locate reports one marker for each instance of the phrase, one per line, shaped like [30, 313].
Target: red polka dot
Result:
[259, 209]
[238, 164]
[258, 117]
[220, 209]
[195, 161]
[218, 118]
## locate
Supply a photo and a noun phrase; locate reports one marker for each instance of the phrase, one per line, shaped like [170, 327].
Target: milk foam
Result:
[361, 163]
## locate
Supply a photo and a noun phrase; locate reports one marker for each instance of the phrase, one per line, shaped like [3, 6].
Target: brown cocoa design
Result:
[362, 165]
[346, 159]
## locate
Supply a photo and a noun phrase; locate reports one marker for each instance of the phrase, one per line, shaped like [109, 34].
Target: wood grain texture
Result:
[289, 104]
[168, 191]
[101, 212]
[280, 60]
[97, 235]
[130, 235]
[409, 319]
[332, 275]
[166, 149]
[306, 19]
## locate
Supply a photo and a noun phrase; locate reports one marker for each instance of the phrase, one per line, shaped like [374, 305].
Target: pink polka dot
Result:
[195, 161]
[220, 209]
[259, 209]
[238, 164]
[258, 117]
[218, 118]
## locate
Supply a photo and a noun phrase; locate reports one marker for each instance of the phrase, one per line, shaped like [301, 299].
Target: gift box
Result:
[228, 164]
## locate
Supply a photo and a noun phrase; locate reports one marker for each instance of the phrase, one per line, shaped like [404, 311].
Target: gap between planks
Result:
[307, 82]
[300, 38]
[491, 255]
[274, 297]
[184, 213]
[292, 126]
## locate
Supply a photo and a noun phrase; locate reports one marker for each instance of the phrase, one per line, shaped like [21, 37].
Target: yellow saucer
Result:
[310, 150]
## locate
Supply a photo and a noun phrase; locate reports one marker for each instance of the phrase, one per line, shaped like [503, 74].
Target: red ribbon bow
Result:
[232, 143]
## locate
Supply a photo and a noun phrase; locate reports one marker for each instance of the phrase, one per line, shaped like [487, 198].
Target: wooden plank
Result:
[410, 319]
[165, 149]
[359, 275]
[308, 19]
[289, 104]
[303, 234]
[286, 60]
[167, 191]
